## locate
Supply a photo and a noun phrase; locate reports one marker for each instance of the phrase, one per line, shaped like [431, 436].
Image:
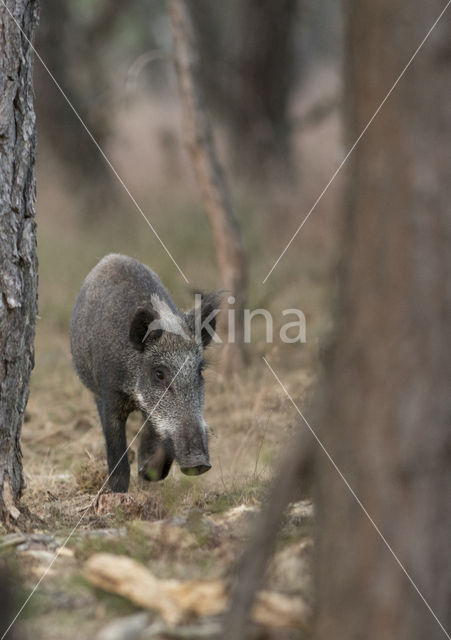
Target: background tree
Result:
[74, 51]
[199, 137]
[18, 268]
[387, 406]
[249, 66]
[266, 66]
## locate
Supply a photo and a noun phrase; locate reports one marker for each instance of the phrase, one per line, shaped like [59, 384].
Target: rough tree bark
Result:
[387, 419]
[18, 263]
[199, 137]
[385, 395]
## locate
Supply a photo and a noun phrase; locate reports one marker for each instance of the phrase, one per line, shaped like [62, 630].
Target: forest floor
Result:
[183, 528]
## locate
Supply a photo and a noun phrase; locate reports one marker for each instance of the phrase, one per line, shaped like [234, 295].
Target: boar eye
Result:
[159, 374]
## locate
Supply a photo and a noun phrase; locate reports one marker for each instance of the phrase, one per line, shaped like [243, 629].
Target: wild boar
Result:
[135, 350]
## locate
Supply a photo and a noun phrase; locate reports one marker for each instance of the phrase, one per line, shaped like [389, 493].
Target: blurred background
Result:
[271, 76]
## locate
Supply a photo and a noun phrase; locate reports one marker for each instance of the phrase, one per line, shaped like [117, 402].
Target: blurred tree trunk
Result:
[248, 77]
[226, 234]
[386, 398]
[8, 601]
[265, 66]
[218, 53]
[73, 53]
[387, 423]
[18, 267]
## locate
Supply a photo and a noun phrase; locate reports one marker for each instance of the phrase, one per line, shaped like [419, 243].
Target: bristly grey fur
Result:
[127, 333]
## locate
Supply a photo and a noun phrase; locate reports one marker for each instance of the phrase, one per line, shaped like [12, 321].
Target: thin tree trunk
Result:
[226, 235]
[387, 422]
[18, 266]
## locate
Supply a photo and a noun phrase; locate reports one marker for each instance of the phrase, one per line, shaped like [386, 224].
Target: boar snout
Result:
[192, 452]
[195, 467]
[194, 461]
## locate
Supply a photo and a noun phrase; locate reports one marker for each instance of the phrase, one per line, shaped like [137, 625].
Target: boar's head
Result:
[168, 384]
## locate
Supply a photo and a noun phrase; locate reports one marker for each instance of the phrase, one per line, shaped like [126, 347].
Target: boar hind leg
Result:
[113, 419]
[154, 456]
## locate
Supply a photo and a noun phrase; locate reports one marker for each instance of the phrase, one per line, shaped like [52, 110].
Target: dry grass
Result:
[64, 462]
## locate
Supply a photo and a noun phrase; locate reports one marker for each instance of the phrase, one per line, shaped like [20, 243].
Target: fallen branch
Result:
[179, 600]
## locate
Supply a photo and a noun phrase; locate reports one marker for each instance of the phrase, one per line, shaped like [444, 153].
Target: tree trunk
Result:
[226, 235]
[266, 66]
[388, 414]
[218, 56]
[74, 55]
[386, 396]
[18, 267]
[248, 79]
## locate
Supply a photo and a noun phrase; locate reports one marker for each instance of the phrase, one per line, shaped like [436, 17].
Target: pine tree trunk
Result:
[388, 415]
[18, 263]
[199, 137]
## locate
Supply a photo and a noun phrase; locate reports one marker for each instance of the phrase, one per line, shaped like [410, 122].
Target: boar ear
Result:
[206, 309]
[141, 330]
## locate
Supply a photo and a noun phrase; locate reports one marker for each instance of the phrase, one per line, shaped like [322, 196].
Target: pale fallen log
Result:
[172, 599]
[178, 600]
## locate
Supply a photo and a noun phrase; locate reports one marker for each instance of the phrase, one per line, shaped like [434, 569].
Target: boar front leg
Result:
[154, 455]
[113, 418]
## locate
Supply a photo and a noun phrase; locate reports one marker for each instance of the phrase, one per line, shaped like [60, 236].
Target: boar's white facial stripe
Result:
[140, 400]
[163, 426]
[168, 320]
